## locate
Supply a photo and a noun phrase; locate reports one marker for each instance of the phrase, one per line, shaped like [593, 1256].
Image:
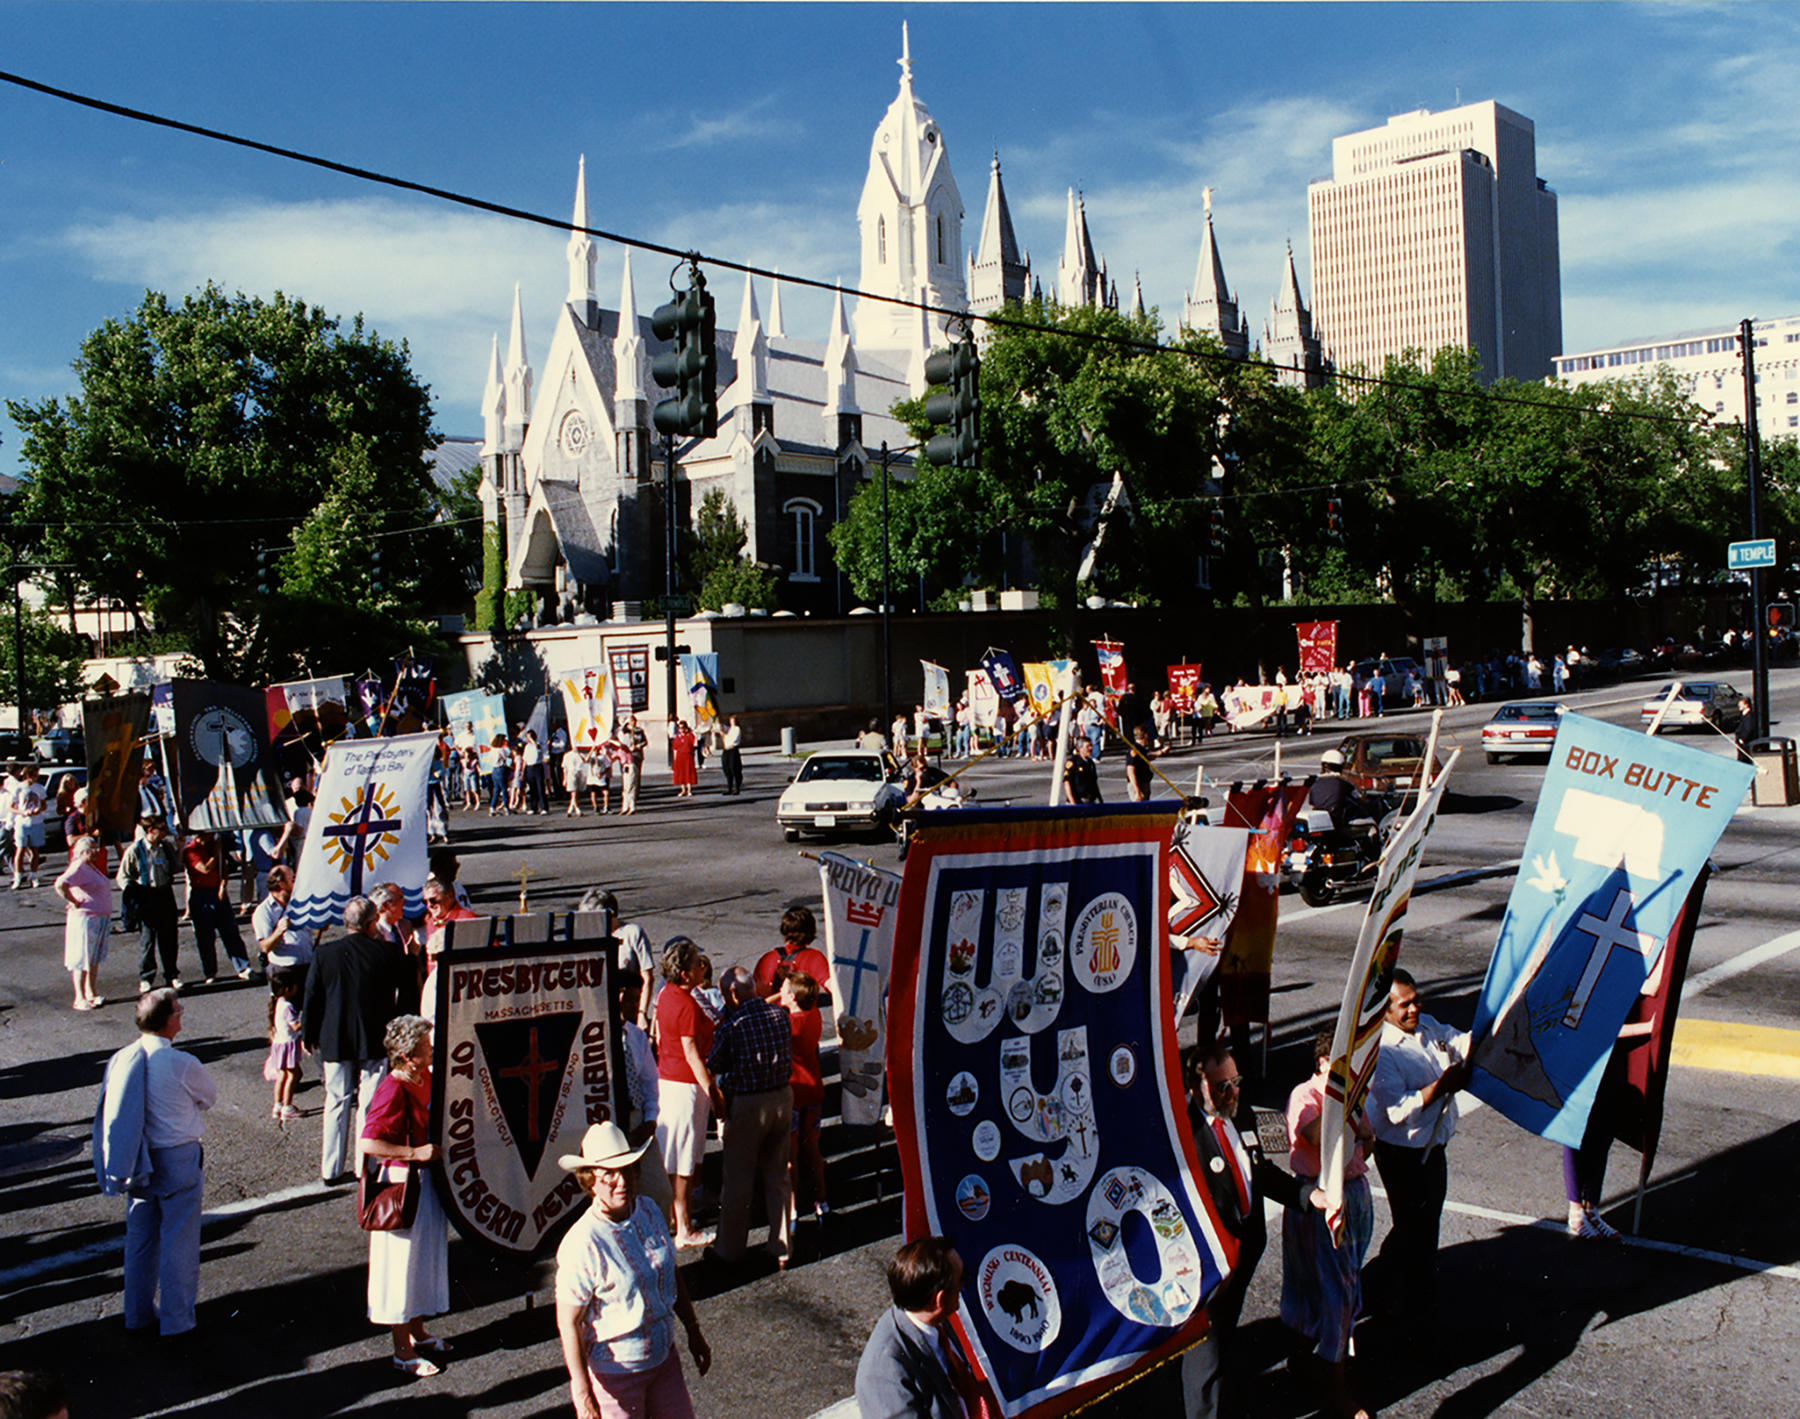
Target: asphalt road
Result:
[1532, 1323]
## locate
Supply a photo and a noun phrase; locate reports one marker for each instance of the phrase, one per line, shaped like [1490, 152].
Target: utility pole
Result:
[1759, 690]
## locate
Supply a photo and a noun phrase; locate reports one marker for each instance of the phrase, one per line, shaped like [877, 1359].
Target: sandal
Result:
[418, 1367]
[436, 1344]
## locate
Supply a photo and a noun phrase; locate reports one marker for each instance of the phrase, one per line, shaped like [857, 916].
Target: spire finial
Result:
[1206, 201]
[905, 55]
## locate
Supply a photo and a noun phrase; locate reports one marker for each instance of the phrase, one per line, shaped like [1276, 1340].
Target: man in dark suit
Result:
[356, 985]
[1239, 1177]
[911, 1366]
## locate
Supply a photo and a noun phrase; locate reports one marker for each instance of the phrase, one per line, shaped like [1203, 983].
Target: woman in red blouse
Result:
[799, 996]
[682, 746]
[684, 1086]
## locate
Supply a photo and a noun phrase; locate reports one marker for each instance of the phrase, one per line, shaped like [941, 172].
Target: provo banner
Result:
[527, 1054]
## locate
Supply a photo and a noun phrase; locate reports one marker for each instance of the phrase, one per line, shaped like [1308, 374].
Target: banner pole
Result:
[1061, 763]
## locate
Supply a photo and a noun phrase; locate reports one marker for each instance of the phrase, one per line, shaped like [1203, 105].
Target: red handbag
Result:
[385, 1203]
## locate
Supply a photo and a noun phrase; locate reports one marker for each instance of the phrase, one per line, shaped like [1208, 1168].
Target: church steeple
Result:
[584, 296]
[628, 344]
[493, 405]
[776, 330]
[518, 379]
[1288, 341]
[997, 273]
[1210, 307]
[1080, 275]
[911, 216]
[840, 365]
[750, 353]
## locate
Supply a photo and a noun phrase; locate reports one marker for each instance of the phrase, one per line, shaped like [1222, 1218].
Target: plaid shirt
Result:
[752, 1049]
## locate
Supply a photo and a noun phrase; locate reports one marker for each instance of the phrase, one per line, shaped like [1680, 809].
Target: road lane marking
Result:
[1737, 1049]
[1738, 964]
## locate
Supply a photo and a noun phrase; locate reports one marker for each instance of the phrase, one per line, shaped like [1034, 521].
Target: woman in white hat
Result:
[619, 1292]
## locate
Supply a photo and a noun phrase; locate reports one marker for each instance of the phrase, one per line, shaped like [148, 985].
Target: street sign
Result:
[1750, 556]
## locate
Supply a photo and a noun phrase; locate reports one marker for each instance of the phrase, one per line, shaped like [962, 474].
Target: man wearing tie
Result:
[911, 1366]
[1239, 1177]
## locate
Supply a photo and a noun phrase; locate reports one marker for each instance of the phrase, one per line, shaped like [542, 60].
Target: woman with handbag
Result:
[397, 1201]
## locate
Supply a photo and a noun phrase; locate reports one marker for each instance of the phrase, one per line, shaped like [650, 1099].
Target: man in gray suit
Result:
[911, 1366]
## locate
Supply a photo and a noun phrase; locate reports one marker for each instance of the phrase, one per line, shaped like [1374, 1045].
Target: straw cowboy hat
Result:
[604, 1145]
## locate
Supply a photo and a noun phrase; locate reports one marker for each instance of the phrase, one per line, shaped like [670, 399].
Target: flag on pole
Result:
[1003, 670]
[1184, 686]
[1112, 666]
[1318, 646]
[984, 699]
[1063, 678]
[368, 826]
[1038, 688]
[1624, 825]
[860, 907]
[1357, 1039]
[588, 706]
[937, 690]
[701, 675]
[1268, 811]
[1038, 1102]
[1206, 881]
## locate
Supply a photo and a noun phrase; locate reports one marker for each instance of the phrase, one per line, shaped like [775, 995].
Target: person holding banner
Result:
[1421, 1067]
[1321, 1282]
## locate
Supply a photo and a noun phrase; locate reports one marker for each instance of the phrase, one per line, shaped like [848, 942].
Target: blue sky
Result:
[1668, 131]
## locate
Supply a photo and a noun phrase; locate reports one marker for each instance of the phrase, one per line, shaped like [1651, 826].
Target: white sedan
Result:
[840, 791]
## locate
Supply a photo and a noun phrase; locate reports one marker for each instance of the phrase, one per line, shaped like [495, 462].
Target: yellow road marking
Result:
[1739, 1049]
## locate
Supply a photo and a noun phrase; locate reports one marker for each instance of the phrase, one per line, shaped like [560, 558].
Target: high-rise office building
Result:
[1436, 230]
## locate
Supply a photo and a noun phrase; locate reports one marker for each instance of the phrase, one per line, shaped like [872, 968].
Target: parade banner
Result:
[1318, 646]
[861, 903]
[114, 730]
[1248, 706]
[1038, 688]
[1003, 671]
[223, 764]
[1624, 825]
[309, 713]
[1357, 1039]
[485, 718]
[409, 709]
[1064, 680]
[1112, 667]
[527, 1054]
[700, 673]
[1184, 687]
[371, 702]
[1206, 880]
[1037, 1097]
[588, 707]
[937, 690]
[368, 826]
[1268, 811]
[162, 710]
[631, 677]
[984, 699]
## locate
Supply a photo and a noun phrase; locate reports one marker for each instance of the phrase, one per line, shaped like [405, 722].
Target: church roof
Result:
[997, 240]
[578, 538]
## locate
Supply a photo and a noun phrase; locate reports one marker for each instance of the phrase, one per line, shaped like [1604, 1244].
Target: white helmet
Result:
[1331, 761]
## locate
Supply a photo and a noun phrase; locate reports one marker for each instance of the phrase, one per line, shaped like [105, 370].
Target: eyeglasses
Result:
[1232, 1084]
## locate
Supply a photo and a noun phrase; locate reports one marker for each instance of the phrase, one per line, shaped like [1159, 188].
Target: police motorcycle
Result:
[935, 792]
[1324, 862]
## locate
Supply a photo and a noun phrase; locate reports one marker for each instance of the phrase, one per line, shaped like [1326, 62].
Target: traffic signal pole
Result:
[1759, 689]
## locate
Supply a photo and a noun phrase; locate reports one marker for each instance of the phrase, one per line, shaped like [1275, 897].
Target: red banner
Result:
[1184, 686]
[1112, 666]
[1268, 811]
[1318, 646]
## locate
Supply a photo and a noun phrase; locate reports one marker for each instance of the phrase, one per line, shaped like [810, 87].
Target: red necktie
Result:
[1237, 1173]
[962, 1378]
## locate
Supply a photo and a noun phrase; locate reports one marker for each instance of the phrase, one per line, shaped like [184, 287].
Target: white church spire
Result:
[628, 344]
[493, 404]
[840, 365]
[776, 330]
[750, 353]
[910, 215]
[997, 272]
[518, 379]
[1080, 276]
[1211, 307]
[584, 296]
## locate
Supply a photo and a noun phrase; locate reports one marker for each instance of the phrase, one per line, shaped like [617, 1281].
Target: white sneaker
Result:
[1591, 1226]
[16, 883]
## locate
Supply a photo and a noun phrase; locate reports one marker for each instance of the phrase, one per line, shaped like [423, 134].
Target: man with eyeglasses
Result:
[1239, 1177]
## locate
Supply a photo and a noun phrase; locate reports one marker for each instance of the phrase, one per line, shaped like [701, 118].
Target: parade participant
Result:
[409, 1267]
[1239, 1177]
[74, 821]
[634, 739]
[147, 877]
[531, 762]
[1321, 1283]
[634, 947]
[32, 1394]
[392, 924]
[87, 892]
[681, 759]
[751, 1060]
[471, 776]
[499, 770]
[358, 982]
[641, 1089]
[1333, 793]
[601, 764]
[441, 908]
[798, 994]
[1421, 1066]
[209, 906]
[574, 777]
[731, 755]
[1208, 706]
[910, 1368]
[1138, 773]
[153, 798]
[799, 929]
[29, 805]
[282, 1069]
[619, 1292]
[1081, 780]
[872, 739]
[282, 945]
[442, 866]
[684, 1034]
[147, 1145]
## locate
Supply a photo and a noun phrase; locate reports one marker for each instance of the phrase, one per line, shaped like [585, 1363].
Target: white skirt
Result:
[409, 1271]
[84, 940]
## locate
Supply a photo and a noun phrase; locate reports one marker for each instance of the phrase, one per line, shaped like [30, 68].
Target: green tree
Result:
[209, 427]
[54, 661]
[716, 562]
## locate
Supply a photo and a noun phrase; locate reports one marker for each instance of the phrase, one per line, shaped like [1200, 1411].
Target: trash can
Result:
[1777, 782]
[787, 742]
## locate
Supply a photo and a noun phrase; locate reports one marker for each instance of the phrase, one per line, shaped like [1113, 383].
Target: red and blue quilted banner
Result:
[1037, 1096]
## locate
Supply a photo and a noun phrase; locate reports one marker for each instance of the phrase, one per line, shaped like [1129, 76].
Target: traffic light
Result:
[1334, 518]
[375, 569]
[265, 572]
[954, 405]
[1216, 524]
[690, 367]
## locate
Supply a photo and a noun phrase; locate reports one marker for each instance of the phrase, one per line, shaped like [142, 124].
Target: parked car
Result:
[1698, 702]
[1384, 764]
[1525, 727]
[841, 791]
[1392, 672]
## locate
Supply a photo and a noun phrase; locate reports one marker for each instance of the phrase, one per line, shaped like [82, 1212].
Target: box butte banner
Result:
[527, 1054]
[1037, 1101]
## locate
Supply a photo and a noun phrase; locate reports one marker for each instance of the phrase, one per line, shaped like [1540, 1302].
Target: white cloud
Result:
[750, 122]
